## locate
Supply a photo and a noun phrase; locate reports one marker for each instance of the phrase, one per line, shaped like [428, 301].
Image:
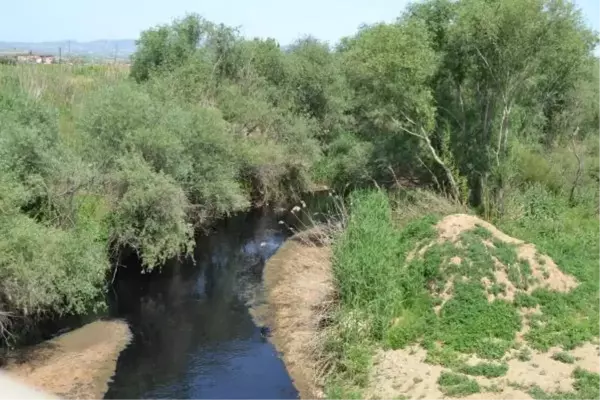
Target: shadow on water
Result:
[193, 334]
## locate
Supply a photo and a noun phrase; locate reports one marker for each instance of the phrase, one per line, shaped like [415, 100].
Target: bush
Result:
[150, 216]
[346, 162]
[45, 269]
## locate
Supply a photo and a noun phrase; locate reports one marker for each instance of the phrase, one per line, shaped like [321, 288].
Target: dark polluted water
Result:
[193, 335]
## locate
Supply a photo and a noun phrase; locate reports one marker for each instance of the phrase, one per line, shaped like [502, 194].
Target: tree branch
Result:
[423, 136]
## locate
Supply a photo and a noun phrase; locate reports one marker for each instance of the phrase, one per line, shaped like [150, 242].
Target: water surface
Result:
[193, 336]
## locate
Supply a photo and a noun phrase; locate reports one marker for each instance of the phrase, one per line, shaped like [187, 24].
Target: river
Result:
[193, 333]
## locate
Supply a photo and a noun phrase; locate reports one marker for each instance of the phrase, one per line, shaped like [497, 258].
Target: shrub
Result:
[150, 216]
[45, 269]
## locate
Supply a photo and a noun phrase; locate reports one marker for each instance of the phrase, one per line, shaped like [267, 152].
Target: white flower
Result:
[280, 222]
[303, 204]
[295, 209]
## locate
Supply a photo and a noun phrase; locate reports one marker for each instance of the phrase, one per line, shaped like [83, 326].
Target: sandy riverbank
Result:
[298, 284]
[78, 364]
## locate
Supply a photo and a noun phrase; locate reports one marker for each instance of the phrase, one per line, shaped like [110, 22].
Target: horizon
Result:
[262, 18]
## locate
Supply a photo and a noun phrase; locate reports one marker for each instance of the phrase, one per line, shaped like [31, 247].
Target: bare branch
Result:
[435, 179]
[425, 138]
[5, 325]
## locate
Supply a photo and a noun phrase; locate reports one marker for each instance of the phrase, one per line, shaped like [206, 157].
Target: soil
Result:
[78, 364]
[299, 288]
[544, 270]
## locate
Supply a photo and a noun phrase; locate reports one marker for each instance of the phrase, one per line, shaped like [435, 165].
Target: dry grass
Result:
[299, 285]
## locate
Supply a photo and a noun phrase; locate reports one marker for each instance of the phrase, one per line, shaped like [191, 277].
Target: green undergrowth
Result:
[391, 277]
[386, 296]
[563, 357]
[586, 386]
[570, 236]
[488, 370]
[456, 385]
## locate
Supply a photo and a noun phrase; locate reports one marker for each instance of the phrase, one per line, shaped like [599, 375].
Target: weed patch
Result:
[469, 323]
[563, 357]
[586, 386]
[571, 239]
[456, 385]
[489, 370]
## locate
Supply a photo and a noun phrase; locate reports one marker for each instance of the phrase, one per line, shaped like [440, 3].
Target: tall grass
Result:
[369, 260]
[383, 297]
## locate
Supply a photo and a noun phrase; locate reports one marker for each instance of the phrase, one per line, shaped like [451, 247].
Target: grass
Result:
[524, 300]
[469, 323]
[488, 370]
[571, 238]
[563, 357]
[390, 293]
[444, 356]
[396, 296]
[369, 281]
[456, 385]
[524, 354]
[586, 386]
[383, 298]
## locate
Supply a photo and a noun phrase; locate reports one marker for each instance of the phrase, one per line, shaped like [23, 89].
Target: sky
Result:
[284, 20]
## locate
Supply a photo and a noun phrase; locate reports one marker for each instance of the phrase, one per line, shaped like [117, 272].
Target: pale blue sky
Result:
[285, 20]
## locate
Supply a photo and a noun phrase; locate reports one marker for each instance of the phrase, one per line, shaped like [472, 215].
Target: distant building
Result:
[30, 58]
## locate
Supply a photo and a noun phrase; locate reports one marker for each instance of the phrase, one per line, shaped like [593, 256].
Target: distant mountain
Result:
[123, 48]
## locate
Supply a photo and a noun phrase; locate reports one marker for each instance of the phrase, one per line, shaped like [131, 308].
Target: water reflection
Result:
[193, 334]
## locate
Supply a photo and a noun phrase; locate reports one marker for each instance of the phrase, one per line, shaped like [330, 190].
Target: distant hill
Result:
[123, 48]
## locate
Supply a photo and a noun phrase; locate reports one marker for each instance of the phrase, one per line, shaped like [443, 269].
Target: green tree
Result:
[168, 46]
[390, 68]
[503, 63]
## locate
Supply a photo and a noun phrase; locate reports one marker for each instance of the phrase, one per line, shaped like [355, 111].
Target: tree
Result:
[502, 62]
[168, 46]
[389, 68]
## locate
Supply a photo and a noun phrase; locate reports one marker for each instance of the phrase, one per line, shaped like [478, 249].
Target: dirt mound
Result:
[516, 266]
[78, 364]
[451, 227]
[300, 288]
[474, 250]
[298, 281]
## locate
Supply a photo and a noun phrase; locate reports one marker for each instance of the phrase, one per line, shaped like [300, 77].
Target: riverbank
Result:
[299, 288]
[438, 305]
[77, 364]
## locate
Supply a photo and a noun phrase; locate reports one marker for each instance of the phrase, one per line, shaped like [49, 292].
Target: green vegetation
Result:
[390, 276]
[491, 105]
[563, 357]
[485, 138]
[489, 370]
[587, 386]
[524, 354]
[456, 385]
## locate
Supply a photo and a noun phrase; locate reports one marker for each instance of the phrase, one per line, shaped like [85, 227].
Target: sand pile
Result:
[515, 266]
[473, 249]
